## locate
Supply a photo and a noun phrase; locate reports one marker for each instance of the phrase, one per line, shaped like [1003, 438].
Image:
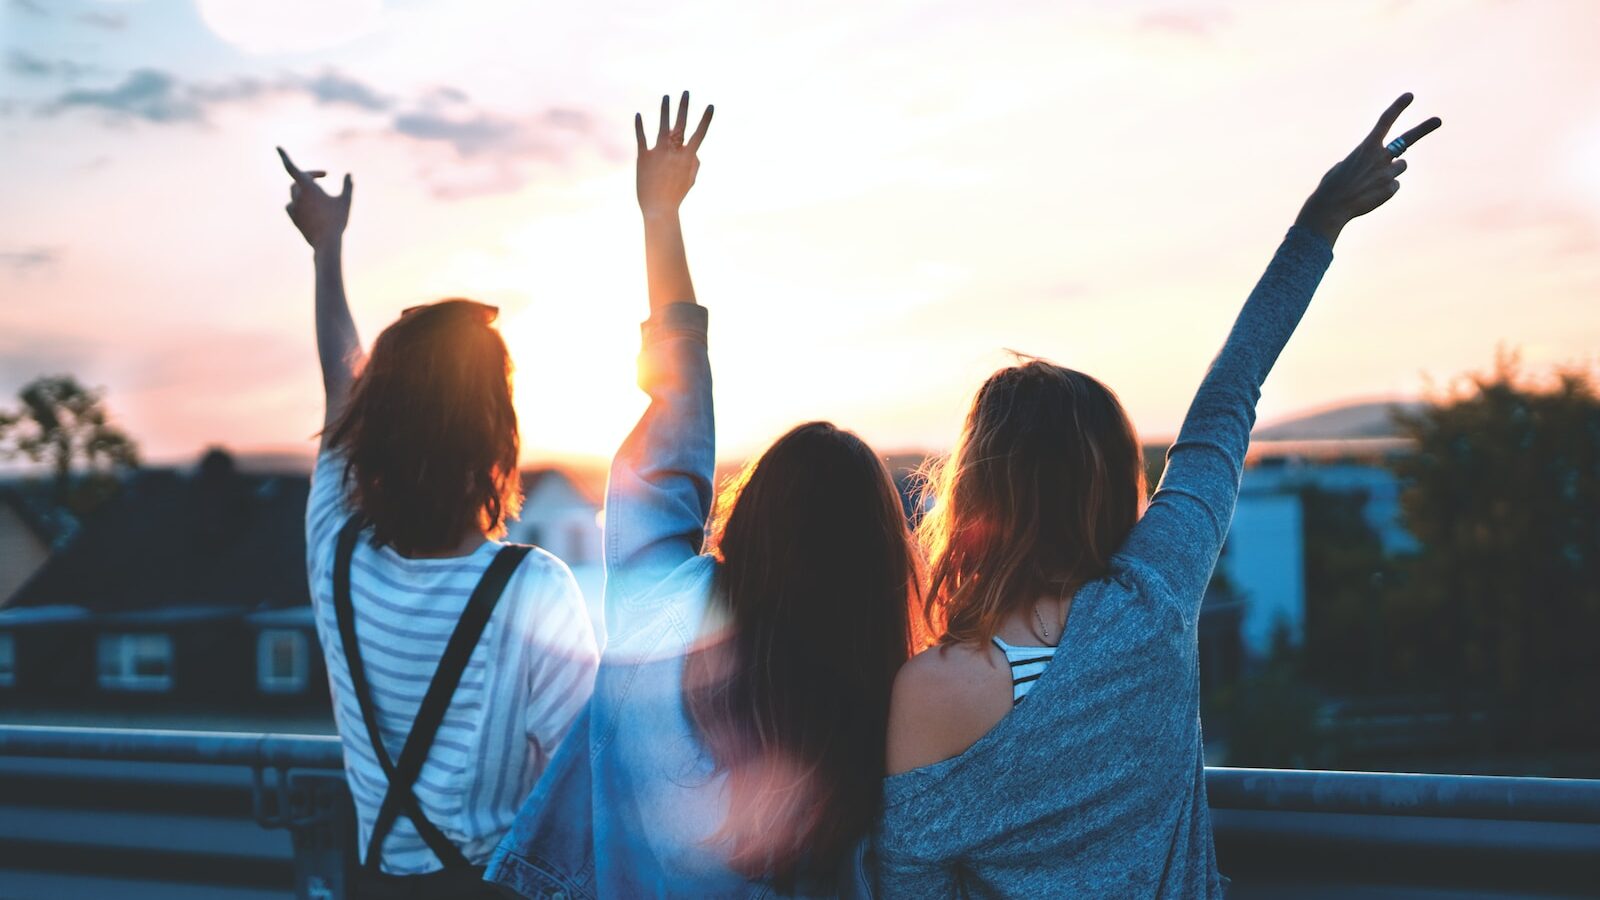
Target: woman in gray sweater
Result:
[1050, 745]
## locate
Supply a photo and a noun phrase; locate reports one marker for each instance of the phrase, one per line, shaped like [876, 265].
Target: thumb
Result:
[349, 187]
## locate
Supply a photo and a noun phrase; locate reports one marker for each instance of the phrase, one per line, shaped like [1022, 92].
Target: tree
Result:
[1503, 599]
[62, 423]
[1346, 576]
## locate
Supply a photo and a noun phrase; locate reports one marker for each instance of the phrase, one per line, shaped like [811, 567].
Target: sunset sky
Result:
[892, 194]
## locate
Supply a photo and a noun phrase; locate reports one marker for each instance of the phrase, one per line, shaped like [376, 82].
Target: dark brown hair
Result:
[1043, 485]
[428, 433]
[818, 581]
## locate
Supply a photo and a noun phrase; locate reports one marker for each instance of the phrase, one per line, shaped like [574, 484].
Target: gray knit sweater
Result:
[1095, 787]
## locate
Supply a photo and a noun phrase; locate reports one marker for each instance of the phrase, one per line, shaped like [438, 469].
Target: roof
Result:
[588, 481]
[212, 538]
[29, 501]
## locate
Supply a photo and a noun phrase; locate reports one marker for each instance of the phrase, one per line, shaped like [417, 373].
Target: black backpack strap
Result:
[402, 776]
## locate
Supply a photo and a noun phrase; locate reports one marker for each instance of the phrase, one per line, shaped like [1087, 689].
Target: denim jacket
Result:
[628, 804]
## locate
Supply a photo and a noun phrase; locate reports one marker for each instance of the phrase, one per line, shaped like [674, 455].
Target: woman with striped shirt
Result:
[457, 663]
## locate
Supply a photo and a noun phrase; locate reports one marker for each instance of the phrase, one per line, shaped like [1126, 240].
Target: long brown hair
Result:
[818, 582]
[428, 433]
[1043, 485]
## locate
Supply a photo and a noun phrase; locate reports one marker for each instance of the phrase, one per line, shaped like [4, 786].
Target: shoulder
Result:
[945, 699]
[327, 506]
[543, 574]
[553, 607]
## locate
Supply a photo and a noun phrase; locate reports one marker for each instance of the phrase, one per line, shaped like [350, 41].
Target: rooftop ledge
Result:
[1279, 833]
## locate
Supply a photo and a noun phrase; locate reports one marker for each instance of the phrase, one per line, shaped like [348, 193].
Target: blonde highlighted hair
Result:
[1042, 487]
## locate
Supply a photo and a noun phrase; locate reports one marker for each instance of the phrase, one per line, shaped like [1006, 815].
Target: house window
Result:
[8, 660]
[136, 662]
[282, 663]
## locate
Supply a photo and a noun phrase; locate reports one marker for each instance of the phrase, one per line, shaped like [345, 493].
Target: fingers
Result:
[1421, 131]
[1393, 170]
[349, 188]
[700, 130]
[638, 132]
[290, 167]
[661, 133]
[1373, 198]
[318, 173]
[682, 124]
[1387, 120]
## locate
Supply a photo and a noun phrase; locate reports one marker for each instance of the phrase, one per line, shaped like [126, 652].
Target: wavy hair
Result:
[1043, 485]
[818, 585]
[429, 435]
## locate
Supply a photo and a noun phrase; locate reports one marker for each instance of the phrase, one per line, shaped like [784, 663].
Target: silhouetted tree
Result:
[63, 424]
[1503, 599]
[1346, 575]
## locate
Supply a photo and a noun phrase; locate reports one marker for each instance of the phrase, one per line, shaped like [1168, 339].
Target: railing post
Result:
[315, 807]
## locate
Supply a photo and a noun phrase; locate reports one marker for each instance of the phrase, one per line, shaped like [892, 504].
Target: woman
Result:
[735, 743]
[456, 662]
[1050, 746]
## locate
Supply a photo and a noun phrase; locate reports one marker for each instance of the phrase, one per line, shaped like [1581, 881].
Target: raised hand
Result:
[320, 216]
[1364, 180]
[666, 172]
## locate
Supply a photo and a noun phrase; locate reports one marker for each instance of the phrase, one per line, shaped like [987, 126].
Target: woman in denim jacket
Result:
[735, 743]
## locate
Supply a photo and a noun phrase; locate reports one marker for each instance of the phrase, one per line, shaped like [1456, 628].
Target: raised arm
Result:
[321, 218]
[1182, 532]
[659, 494]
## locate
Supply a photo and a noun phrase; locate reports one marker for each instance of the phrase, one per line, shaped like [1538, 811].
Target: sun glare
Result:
[575, 335]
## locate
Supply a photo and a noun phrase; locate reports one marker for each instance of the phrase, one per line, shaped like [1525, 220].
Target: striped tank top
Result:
[1027, 664]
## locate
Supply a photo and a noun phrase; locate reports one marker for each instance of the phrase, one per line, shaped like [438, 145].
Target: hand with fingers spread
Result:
[665, 174]
[666, 171]
[1364, 180]
[320, 216]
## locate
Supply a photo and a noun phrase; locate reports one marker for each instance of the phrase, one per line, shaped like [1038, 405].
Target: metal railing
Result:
[1273, 826]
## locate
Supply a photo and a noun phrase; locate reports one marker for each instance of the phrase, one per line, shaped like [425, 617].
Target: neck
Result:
[1022, 626]
[465, 547]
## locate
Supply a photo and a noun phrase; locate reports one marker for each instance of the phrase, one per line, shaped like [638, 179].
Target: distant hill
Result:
[275, 462]
[1372, 419]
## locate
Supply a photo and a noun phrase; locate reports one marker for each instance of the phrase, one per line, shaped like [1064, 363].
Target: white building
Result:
[561, 514]
[1265, 558]
[1265, 565]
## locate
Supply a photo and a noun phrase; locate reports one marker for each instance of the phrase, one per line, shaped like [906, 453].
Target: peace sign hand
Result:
[320, 216]
[666, 172]
[1364, 180]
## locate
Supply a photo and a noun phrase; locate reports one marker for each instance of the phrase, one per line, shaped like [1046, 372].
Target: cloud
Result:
[106, 21]
[148, 94]
[1193, 23]
[495, 153]
[155, 96]
[26, 354]
[498, 149]
[470, 136]
[27, 260]
[27, 65]
[331, 88]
